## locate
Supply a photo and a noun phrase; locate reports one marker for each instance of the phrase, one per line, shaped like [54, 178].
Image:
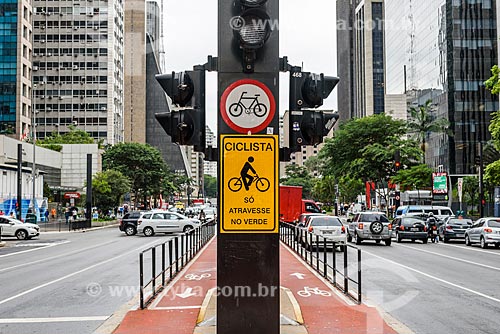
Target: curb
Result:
[114, 320]
[82, 231]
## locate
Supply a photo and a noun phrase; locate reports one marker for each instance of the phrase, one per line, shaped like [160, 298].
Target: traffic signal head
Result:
[308, 90]
[308, 127]
[397, 160]
[178, 86]
[246, 40]
[185, 123]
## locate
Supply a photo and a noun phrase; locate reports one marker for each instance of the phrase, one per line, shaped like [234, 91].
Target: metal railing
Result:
[172, 256]
[301, 241]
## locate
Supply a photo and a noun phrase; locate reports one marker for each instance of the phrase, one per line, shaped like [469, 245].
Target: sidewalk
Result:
[323, 308]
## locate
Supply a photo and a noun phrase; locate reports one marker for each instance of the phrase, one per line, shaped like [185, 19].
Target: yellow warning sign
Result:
[249, 184]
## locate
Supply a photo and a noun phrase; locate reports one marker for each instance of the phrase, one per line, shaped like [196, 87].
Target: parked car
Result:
[165, 222]
[128, 223]
[411, 228]
[454, 229]
[327, 227]
[370, 226]
[300, 223]
[485, 231]
[12, 227]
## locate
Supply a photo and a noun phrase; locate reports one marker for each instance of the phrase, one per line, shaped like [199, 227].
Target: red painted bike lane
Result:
[324, 312]
[176, 309]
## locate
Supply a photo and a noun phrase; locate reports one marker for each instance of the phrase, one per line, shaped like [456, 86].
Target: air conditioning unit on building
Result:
[42, 96]
[96, 28]
[49, 54]
[75, 28]
[75, 67]
[60, 97]
[49, 109]
[35, 68]
[103, 108]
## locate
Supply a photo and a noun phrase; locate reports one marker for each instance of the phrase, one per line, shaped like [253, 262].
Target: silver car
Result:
[165, 222]
[328, 228]
[485, 231]
[370, 226]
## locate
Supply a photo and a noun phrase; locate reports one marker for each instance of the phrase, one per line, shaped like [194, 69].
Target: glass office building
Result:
[443, 50]
[15, 68]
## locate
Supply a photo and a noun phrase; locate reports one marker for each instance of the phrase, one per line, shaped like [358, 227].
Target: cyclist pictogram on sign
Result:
[246, 179]
[247, 106]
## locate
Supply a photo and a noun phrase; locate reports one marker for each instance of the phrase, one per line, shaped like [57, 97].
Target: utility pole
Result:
[33, 138]
[481, 179]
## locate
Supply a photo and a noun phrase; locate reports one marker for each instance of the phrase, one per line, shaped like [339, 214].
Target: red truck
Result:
[292, 205]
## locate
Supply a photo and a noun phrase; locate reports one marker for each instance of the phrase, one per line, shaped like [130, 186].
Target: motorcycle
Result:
[432, 231]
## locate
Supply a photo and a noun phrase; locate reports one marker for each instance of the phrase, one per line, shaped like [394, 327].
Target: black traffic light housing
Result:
[308, 90]
[185, 122]
[308, 127]
[397, 160]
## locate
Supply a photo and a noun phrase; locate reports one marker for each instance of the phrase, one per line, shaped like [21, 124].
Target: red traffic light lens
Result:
[398, 164]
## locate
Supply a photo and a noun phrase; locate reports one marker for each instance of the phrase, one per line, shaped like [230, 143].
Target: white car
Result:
[165, 222]
[326, 227]
[12, 227]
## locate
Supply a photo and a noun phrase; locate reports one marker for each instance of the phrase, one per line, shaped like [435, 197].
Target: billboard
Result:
[439, 183]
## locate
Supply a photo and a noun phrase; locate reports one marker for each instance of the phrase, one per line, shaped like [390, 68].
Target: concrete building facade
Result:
[78, 67]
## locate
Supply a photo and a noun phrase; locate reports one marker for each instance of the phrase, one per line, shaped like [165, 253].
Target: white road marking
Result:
[186, 294]
[452, 257]
[298, 275]
[24, 265]
[45, 320]
[474, 249]
[436, 278]
[74, 273]
[35, 249]
[177, 308]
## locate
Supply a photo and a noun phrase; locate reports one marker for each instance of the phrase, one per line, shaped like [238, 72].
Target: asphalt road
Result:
[68, 282]
[433, 288]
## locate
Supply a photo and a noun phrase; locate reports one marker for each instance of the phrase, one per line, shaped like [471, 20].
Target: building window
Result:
[25, 32]
[25, 51]
[25, 71]
[25, 90]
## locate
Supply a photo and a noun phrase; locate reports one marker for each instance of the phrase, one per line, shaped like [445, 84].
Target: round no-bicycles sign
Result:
[247, 106]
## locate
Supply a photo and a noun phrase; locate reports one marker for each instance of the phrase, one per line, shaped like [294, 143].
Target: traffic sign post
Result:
[248, 126]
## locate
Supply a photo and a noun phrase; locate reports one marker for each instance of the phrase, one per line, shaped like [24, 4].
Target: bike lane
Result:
[176, 309]
[323, 310]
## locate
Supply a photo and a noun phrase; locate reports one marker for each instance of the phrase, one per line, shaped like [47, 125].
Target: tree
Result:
[210, 186]
[416, 177]
[363, 149]
[142, 164]
[108, 188]
[298, 176]
[422, 123]
[471, 190]
[492, 173]
[350, 189]
[325, 189]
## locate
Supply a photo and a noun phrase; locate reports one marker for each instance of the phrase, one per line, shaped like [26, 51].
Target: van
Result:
[439, 212]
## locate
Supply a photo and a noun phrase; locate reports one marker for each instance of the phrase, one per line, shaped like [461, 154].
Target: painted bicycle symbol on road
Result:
[192, 277]
[246, 179]
[308, 292]
[259, 109]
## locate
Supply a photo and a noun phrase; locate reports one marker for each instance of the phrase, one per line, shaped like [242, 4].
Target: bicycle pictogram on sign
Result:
[259, 109]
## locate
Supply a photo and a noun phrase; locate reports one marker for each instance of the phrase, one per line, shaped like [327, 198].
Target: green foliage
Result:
[108, 188]
[350, 188]
[422, 123]
[416, 177]
[493, 83]
[324, 189]
[492, 173]
[298, 176]
[47, 192]
[143, 165]
[74, 136]
[470, 190]
[210, 186]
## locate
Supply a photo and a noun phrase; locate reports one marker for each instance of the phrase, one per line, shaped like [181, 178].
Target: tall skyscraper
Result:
[15, 71]
[78, 67]
[360, 58]
[443, 51]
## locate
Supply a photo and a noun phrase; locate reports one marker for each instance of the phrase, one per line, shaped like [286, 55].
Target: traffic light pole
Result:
[248, 91]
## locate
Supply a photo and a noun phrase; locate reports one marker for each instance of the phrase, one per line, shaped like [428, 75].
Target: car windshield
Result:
[494, 223]
[460, 221]
[411, 221]
[325, 221]
[372, 217]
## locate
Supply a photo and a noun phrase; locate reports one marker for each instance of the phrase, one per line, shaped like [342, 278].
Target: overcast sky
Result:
[307, 35]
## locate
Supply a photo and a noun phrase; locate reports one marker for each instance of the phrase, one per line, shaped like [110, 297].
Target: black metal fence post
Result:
[317, 252]
[153, 269]
[176, 244]
[359, 276]
[334, 264]
[325, 259]
[163, 264]
[141, 278]
[182, 250]
[170, 257]
[346, 274]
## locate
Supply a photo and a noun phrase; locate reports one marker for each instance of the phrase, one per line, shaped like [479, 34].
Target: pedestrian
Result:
[66, 214]
[46, 214]
[74, 213]
[53, 212]
[202, 216]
